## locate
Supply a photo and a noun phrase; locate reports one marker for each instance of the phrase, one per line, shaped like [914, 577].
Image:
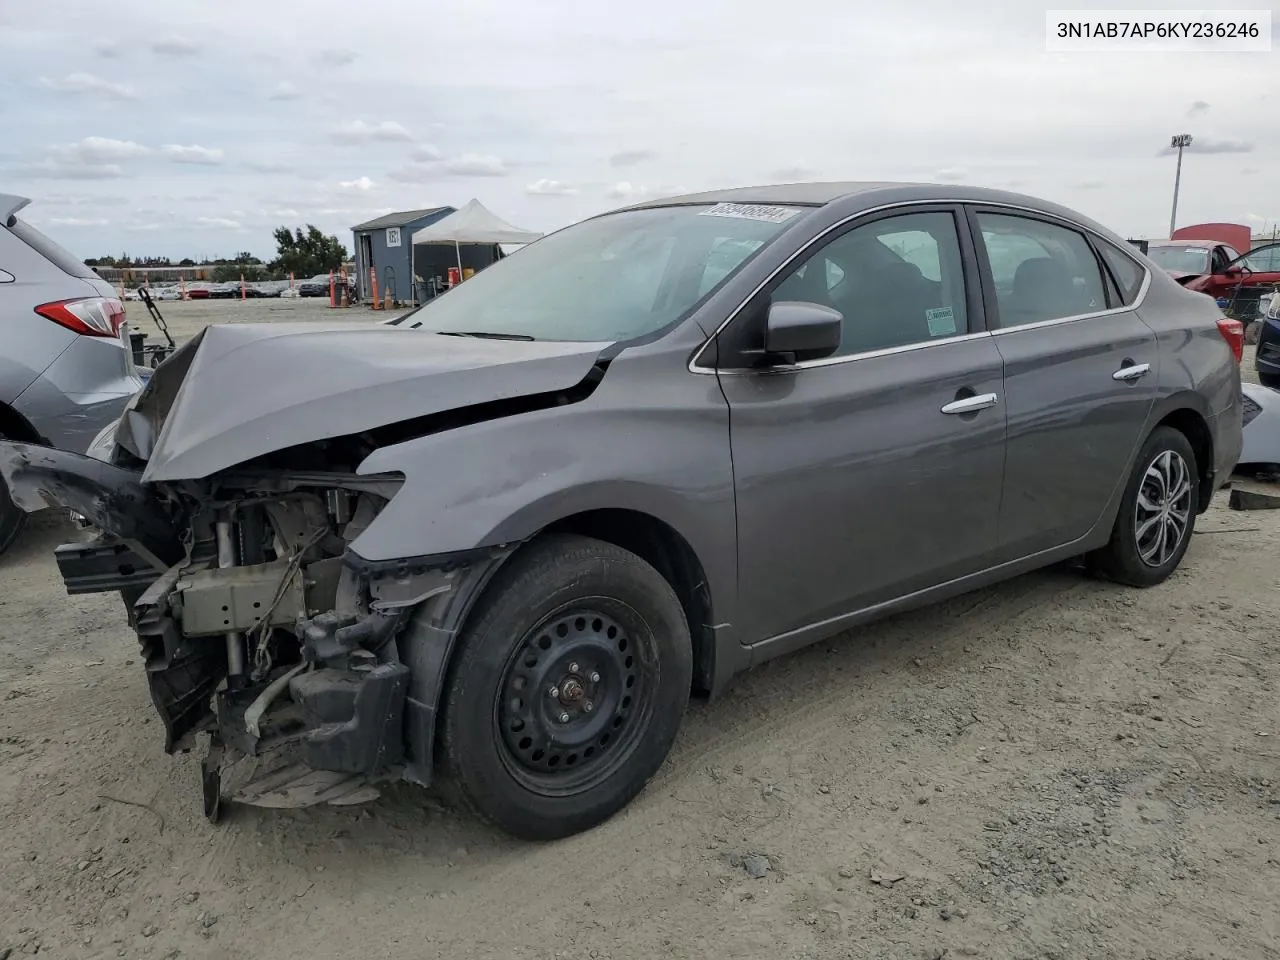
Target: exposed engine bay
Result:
[263, 637]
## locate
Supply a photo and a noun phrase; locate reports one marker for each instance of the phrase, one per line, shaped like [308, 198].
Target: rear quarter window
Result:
[60, 258]
[1124, 271]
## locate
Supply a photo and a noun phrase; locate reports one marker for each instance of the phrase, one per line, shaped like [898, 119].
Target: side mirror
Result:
[1234, 270]
[802, 331]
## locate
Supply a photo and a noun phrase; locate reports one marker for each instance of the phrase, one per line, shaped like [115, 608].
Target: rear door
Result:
[1080, 373]
[875, 472]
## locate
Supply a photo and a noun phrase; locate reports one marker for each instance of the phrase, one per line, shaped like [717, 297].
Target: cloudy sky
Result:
[193, 128]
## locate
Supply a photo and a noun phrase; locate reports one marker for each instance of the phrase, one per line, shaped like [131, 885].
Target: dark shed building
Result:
[386, 244]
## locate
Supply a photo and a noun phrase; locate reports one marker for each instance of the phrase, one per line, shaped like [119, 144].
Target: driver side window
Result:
[896, 281]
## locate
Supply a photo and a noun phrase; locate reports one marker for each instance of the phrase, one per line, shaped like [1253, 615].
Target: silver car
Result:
[66, 369]
[499, 540]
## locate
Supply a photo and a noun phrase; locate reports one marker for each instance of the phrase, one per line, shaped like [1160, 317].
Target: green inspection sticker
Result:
[942, 321]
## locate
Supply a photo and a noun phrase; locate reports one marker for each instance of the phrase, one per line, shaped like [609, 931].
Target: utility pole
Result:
[1178, 142]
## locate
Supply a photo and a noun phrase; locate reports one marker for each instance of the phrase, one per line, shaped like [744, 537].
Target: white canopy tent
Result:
[472, 224]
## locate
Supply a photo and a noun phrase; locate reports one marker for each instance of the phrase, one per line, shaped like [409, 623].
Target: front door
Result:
[1081, 373]
[876, 472]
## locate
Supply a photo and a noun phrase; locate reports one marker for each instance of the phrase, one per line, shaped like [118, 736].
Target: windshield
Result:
[1180, 259]
[617, 277]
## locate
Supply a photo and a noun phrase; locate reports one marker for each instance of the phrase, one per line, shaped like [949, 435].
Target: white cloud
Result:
[358, 132]
[284, 90]
[467, 165]
[629, 158]
[951, 175]
[425, 153]
[195, 153]
[793, 174]
[268, 166]
[1197, 107]
[550, 188]
[92, 85]
[337, 58]
[624, 190]
[175, 47]
[92, 150]
[222, 222]
[474, 165]
[1090, 184]
[636, 192]
[108, 49]
[77, 222]
[360, 184]
[53, 169]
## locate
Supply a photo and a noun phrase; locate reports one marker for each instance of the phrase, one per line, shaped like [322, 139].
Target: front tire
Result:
[1157, 516]
[567, 690]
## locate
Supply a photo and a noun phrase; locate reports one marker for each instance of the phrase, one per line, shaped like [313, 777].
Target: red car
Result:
[1186, 259]
[1246, 282]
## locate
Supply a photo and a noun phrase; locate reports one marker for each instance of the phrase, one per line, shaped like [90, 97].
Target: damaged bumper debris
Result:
[258, 626]
[312, 672]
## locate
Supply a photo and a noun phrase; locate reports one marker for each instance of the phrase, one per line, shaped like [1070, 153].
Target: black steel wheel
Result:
[567, 689]
[576, 694]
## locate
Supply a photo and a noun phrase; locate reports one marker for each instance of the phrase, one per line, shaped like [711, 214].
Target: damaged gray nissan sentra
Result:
[499, 541]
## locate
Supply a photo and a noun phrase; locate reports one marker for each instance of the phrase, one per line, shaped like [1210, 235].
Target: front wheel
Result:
[567, 690]
[1158, 515]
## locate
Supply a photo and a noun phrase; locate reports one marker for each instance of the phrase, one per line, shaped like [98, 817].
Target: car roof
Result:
[854, 196]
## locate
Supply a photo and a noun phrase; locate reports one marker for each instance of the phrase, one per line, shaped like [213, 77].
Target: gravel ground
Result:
[186, 318]
[1054, 767]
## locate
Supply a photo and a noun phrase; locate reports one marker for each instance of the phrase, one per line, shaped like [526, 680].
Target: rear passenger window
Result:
[1126, 273]
[1041, 271]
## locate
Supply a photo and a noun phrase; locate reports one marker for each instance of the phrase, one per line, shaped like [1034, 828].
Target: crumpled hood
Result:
[239, 391]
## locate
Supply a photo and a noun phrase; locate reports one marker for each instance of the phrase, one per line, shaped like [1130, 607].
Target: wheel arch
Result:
[429, 645]
[14, 426]
[1192, 424]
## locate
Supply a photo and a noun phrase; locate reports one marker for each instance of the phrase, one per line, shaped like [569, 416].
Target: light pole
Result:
[1178, 143]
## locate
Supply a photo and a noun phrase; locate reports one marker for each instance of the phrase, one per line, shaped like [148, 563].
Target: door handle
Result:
[1134, 371]
[971, 404]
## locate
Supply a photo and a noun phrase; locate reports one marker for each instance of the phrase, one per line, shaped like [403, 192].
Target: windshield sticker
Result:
[751, 211]
[942, 321]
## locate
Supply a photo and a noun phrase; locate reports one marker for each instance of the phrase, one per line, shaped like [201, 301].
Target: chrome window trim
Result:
[849, 358]
[695, 367]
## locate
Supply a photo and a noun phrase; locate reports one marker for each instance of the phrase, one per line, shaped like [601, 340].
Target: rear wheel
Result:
[1157, 516]
[12, 517]
[567, 690]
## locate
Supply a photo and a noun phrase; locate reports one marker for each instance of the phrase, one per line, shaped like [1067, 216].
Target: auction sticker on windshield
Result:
[751, 211]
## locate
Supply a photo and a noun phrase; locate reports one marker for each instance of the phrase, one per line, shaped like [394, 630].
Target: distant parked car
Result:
[501, 540]
[66, 368]
[1186, 259]
[225, 291]
[318, 286]
[199, 290]
[1267, 360]
[170, 292]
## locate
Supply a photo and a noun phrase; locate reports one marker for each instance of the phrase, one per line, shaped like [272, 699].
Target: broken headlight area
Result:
[268, 638]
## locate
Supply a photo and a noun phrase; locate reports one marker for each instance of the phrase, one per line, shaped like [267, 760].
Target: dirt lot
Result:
[187, 318]
[1054, 767]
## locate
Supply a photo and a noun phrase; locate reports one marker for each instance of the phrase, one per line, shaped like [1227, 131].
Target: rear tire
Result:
[12, 517]
[1157, 515]
[1269, 380]
[567, 689]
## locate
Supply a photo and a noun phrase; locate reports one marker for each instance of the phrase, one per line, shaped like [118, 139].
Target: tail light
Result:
[91, 316]
[1233, 332]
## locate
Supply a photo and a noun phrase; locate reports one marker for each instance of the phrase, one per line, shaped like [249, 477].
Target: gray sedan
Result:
[501, 539]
